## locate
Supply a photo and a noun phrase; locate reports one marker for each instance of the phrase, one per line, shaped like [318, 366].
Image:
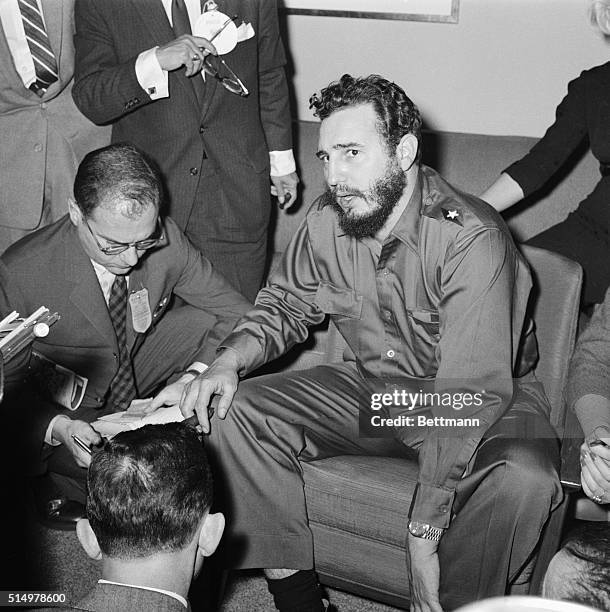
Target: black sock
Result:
[299, 592]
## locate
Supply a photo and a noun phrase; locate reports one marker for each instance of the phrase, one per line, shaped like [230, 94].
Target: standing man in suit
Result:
[139, 68]
[111, 268]
[43, 136]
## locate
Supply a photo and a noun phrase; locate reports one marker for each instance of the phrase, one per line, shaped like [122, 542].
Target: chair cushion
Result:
[366, 496]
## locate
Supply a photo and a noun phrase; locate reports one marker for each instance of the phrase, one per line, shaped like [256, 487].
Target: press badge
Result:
[141, 317]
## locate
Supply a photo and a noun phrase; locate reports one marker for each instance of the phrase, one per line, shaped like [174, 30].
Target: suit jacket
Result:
[34, 130]
[235, 133]
[118, 598]
[50, 268]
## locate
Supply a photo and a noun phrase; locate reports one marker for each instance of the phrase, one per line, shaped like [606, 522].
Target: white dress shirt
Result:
[10, 16]
[136, 586]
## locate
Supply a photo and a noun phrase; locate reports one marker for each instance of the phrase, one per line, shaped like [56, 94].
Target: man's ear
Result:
[406, 151]
[87, 539]
[75, 212]
[210, 534]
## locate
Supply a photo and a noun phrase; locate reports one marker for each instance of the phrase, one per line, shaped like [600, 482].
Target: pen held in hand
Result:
[81, 444]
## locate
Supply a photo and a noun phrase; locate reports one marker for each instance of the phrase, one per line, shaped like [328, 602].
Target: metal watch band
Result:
[433, 533]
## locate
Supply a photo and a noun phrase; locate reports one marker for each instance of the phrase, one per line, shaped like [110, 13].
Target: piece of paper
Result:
[213, 26]
[111, 424]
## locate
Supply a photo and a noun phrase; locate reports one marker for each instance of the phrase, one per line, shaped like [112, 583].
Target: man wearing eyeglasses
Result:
[218, 125]
[112, 268]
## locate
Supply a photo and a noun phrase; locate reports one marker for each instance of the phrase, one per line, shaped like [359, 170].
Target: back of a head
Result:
[580, 571]
[148, 490]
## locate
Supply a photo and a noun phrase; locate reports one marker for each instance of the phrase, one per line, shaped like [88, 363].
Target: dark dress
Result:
[584, 235]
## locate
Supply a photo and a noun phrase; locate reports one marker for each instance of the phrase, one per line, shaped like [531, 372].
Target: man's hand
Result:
[171, 394]
[221, 378]
[186, 50]
[64, 429]
[425, 575]
[595, 465]
[283, 185]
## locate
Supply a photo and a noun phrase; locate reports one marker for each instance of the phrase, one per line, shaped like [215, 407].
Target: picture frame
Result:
[440, 11]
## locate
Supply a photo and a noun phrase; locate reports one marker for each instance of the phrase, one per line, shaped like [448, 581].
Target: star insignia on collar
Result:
[452, 215]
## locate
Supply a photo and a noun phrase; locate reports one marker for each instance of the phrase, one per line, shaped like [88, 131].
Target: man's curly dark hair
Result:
[396, 113]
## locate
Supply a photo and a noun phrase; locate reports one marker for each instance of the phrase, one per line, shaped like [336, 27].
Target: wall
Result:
[501, 70]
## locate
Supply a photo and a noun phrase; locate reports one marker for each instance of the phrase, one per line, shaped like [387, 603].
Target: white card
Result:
[208, 25]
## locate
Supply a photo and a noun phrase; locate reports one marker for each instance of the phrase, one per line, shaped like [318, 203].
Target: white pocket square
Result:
[244, 32]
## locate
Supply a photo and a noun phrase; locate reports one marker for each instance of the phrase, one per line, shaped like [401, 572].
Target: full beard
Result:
[384, 192]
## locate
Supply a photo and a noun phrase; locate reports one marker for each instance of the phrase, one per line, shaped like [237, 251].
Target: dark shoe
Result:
[61, 513]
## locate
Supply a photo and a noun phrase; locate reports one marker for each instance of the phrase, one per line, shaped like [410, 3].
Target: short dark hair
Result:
[396, 114]
[148, 490]
[117, 173]
[589, 549]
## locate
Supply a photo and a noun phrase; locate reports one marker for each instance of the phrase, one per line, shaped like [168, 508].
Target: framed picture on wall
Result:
[444, 11]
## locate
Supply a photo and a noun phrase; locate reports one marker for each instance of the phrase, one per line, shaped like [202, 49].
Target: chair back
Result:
[554, 305]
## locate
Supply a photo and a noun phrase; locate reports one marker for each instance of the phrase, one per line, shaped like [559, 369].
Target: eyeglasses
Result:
[141, 245]
[231, 83]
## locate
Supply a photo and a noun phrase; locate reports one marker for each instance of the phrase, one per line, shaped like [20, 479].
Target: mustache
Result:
[346, 190]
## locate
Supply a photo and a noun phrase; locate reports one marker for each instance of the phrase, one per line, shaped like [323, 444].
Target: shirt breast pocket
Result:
[337, 301]
[424, 320]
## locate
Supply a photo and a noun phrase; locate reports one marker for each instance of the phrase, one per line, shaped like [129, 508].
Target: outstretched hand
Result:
[221, 379]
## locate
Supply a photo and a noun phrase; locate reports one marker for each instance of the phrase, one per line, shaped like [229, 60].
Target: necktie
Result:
[180, 18]
[122, 387]
[40, 48]
[182, 25]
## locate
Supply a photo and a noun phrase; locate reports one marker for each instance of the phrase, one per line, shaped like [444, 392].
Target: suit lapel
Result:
[86, 292]
[209, 89]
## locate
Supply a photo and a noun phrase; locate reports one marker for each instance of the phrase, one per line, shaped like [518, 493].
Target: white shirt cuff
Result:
[282, 162]
[152, 78]
[48, 437]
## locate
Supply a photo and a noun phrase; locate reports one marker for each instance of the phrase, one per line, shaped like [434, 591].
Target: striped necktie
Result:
[123, 386]
[40, 48]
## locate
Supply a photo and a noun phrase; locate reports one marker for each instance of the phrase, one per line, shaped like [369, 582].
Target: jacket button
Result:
[201, 129]
[38, 147]
[391, 354]
[443, 509]
[194, 171]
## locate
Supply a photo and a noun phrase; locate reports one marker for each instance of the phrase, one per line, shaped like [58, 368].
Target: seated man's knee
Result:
[529, 470]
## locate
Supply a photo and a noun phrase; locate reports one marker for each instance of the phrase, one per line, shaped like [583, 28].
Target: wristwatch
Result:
[425, 531]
